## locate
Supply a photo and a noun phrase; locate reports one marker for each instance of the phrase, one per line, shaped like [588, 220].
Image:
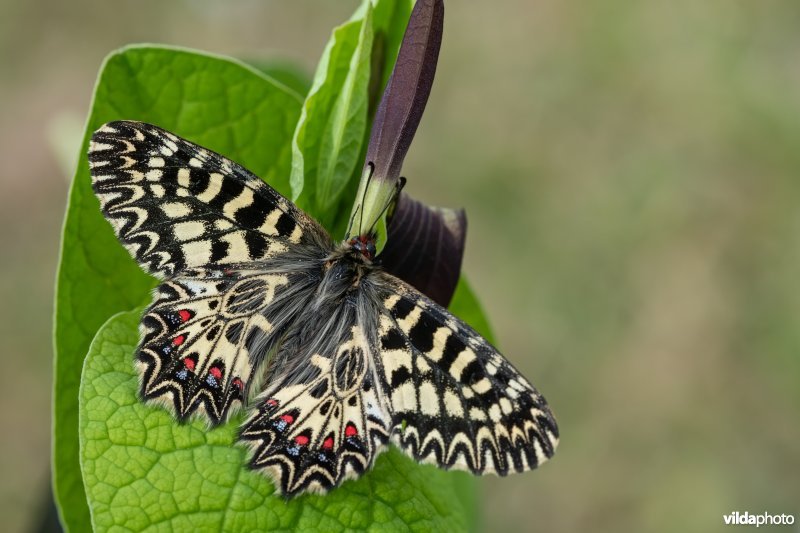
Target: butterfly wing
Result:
[325, 420]
[389, 364]
[454, 400]
[175, 205]
[208, 330]
[238, 258]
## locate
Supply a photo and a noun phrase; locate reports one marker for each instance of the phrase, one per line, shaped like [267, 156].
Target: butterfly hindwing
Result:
[317, 426]
[202, 337]
[175, 205]
[455, 401]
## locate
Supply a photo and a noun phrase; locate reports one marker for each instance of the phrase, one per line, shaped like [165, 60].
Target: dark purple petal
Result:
[407, 90]
[425, 246]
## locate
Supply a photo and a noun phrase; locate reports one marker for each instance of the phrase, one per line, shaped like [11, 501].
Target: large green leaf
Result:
[328, 137]
[342, 136]
[285, 72]
[144, 471]
[219, 103]
[329, 141]
[141, 469]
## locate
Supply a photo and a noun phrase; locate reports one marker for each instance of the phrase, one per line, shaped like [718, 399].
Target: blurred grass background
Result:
[631, 172]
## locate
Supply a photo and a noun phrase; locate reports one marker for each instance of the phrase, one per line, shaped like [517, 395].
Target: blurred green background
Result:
[631, 172]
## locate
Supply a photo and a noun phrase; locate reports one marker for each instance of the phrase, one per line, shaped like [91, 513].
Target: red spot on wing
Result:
[302, 440]
[238, 383]
[287, 418]
[188, 362]
[177, 341]
[328, 444]
[350, 431]
[215, 371]
[272, 402]
[184, 315]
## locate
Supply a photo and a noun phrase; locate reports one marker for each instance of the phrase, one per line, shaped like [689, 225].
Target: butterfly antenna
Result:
[371, 166]
[398, 189]
[350, 223]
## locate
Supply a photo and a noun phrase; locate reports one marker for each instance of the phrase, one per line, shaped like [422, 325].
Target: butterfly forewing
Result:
[177, 206]
[333, 357]
[455, 401]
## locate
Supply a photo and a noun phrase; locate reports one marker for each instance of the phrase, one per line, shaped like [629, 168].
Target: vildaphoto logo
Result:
[764, 519]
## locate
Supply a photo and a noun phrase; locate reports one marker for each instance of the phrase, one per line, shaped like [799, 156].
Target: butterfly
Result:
[260, 309]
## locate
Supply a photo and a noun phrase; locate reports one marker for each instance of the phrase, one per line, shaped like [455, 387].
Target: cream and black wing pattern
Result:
[382, 364]
[228, 247]
[324, 415]
[176, 206]
[332, 357]
[454, 400]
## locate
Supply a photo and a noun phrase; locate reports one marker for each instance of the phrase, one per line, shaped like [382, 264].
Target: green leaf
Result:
[143, 470]
[289, 74]
[341, 139]
[328, 138]
[140, 468]
[219, 103]
[466, 307]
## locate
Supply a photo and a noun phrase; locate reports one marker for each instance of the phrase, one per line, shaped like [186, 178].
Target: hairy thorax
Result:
[344, 270]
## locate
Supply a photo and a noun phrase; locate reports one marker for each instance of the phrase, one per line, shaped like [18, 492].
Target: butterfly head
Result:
[363, 245]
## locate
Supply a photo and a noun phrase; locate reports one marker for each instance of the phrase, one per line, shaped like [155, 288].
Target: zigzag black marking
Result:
[175, 205]
[471, 409]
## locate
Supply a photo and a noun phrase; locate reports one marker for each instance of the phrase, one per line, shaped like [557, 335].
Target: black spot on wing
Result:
[256, 244]
[325, 408]
[402, 308]
[400, 376]
[285, 225]
[452, 347]
[421, 334]
[229, 190]
[212, 333]
[219, 250]
[254, 215]
[473, 373]
[393, 340]
[198, 181]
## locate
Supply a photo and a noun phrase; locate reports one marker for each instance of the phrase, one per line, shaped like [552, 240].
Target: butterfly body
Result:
[332, 357]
